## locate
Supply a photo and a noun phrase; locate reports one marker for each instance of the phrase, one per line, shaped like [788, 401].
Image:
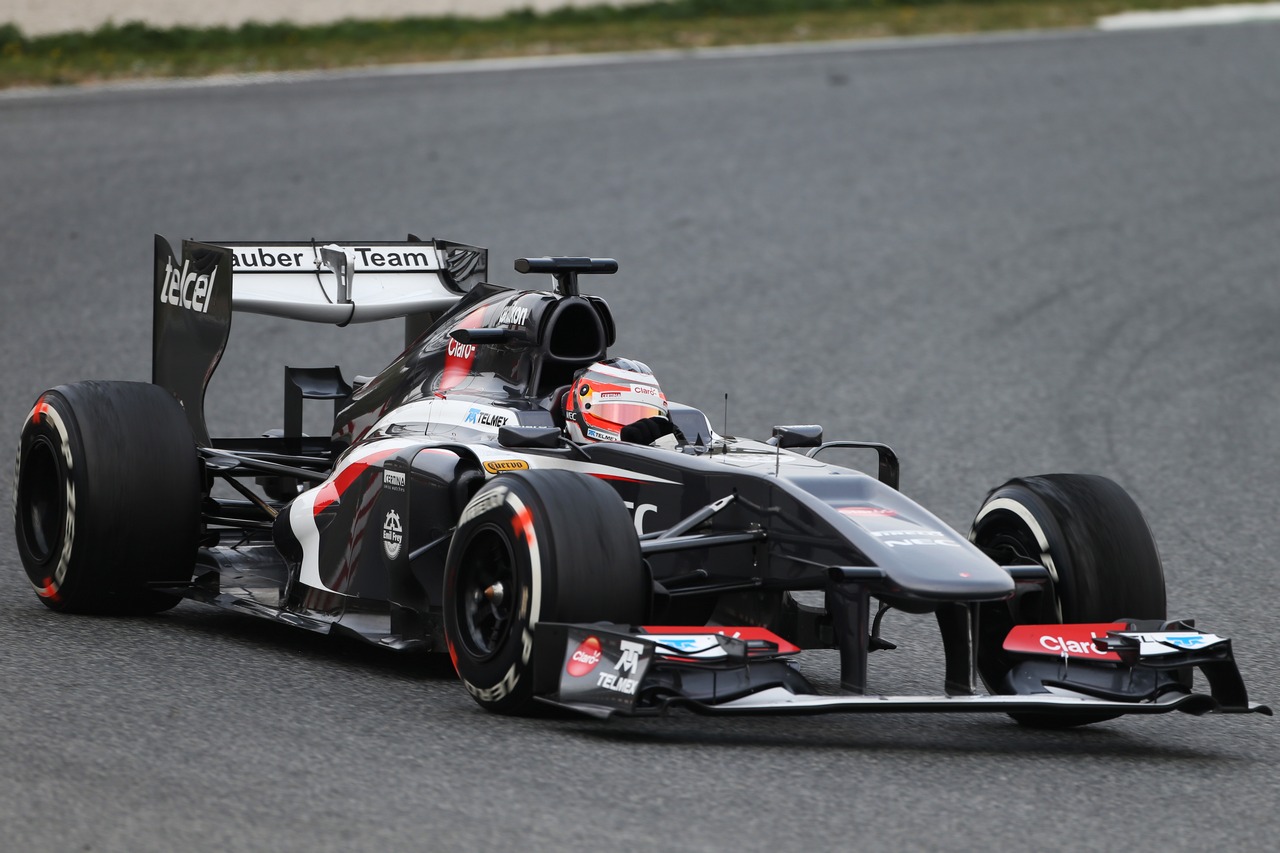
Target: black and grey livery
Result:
[447, 511]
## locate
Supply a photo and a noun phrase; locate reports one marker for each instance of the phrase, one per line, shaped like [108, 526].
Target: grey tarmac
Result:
[1002, 257]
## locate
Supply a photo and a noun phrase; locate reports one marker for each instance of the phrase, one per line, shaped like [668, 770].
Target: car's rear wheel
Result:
[107, 498]
[550, 546]
[1100, 554]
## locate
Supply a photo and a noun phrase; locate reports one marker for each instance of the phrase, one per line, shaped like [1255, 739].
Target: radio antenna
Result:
[726, 420]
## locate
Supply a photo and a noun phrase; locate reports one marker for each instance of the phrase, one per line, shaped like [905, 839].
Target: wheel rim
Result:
[41, 507]
[1011, 541]
[486, 593]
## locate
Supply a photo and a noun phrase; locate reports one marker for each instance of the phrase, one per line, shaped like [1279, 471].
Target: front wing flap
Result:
[606, 669]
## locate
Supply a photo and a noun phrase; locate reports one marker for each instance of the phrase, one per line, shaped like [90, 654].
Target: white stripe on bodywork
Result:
[444, 418]
[302, 520]
[302, 512]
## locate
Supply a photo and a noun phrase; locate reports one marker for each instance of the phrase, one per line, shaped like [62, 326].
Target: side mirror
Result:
[797, 435]
[545, 437]
[491, 336]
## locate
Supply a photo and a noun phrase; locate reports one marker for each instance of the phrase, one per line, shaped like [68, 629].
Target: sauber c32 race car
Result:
[449, 510]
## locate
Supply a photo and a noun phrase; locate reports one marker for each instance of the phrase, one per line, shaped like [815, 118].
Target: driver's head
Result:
[608, 396]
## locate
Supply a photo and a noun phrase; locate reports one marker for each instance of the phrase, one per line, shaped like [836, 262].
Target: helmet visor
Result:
[625, 413]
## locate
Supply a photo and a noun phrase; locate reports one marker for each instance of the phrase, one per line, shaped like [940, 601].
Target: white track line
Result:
[1237, 13]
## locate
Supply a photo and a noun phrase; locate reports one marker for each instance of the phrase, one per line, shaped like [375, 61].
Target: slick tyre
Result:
[107, 498]
[1100, 554]
[535, 546]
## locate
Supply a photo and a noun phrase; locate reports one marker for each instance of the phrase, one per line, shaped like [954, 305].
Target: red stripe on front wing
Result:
[1072, 641]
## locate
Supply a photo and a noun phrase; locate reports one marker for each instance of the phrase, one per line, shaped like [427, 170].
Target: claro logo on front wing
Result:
[584, 657]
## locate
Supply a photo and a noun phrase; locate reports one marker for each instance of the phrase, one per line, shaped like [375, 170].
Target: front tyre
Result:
[1100, 554]
[551, 546]
[107, 498]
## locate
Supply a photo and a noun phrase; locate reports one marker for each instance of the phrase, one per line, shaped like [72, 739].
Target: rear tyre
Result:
[1100, 554]
[107, 498]
[549, 546]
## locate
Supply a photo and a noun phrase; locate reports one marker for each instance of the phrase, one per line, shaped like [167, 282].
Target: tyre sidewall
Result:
[50, 430]
[502, 680]
[127, 470]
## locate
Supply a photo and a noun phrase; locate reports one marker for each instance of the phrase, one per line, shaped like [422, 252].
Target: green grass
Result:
[137, 50]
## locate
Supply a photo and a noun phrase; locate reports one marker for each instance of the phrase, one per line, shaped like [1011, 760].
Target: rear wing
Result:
[343, 283]
[196, 293]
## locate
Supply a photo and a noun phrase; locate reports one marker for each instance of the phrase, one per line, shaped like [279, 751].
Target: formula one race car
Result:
[505, 491]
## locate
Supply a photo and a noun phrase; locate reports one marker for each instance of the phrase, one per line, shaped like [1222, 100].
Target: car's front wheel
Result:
[550, 546]
[1091, 536]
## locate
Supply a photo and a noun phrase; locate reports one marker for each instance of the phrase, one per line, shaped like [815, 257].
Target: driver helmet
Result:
[607, 396]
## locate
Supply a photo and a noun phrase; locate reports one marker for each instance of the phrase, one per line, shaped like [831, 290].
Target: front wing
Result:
[602, 670]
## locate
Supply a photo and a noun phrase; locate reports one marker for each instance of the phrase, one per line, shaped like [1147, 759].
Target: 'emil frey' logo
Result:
[186, 289]
[392, 535]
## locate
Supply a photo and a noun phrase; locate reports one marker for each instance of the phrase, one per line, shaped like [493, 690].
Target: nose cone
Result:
[922, 556]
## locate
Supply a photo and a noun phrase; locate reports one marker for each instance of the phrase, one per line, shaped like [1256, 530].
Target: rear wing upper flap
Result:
[347, 282]
[196, 291]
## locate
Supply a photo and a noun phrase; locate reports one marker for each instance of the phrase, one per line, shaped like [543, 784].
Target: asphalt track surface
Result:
[1046, 254]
